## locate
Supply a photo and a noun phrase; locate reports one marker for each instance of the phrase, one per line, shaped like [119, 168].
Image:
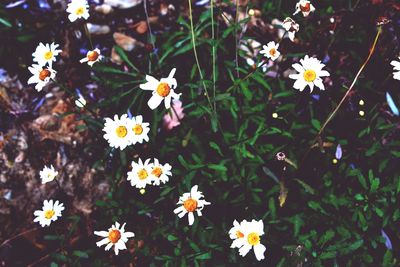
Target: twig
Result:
[330, 117]
[88, 35]
[18, 235]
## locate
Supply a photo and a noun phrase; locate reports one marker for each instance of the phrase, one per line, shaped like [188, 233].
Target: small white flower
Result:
[41, 76]
[271, 50]
[80, 102]
[49, 213]
[189, 203]
[236, 233]
[140, 130]
[115, 236]
[92, 57]
[291, 27]
[118, 132]
[78, 9]
[396, 67]
[249, 237]
[46, 53]
[48, 174]
[310, 73]
[304, 7]
[160, 172]
[140, 175]
[162, 90]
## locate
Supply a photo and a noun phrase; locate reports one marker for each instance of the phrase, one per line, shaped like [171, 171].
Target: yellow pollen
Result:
[114, 236]
[48, 214]
[142, 174]
[272, 52]
[156, 171]
[310, 75]
[190, 204]
[80, 11]
[92, 55]
[121, 131]
[138, 129]
[48, 55]
[239, 234]
[253, 239]
[43, 74]
[163, 89]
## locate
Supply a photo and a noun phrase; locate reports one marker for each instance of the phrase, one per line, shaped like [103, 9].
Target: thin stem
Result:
[213, 53]
[72, 94]
[88, 35]
[330, 117]
[353, 83]
[236, 39]
[197, 59]
[152, 41]
[18, 235]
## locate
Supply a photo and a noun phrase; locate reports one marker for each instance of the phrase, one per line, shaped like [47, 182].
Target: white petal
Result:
[155, 101]
[103, 242]
[244, 249]
[191, 218]
[101, 233]
[259, 251]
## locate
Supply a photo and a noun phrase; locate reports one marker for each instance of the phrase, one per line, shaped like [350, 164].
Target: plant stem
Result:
[197, 59]
[88, 35]
[330, 117]
[213, 53]
[353, 83]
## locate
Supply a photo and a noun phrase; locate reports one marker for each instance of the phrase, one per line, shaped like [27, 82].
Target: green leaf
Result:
[316, 124]
[81, 254]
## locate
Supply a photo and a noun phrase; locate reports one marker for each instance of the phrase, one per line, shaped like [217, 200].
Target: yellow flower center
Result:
[121, 131]
[138, 129]
[80, 11]
[310, 75]
[163, 89]
[48, 214]
[142, 174]
[114, 236]
[48, 55]
[156, 171]
[239, 234]
[253, 239]
[190, 204]
[92, 55]
[43, 74]
[272, 52]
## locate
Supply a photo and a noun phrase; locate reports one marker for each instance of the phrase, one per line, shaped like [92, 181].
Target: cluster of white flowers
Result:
[144, 173]
[43, 72]
[246, 235]
[123, 131]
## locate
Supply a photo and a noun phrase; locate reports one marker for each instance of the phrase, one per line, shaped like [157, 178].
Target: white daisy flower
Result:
[236, 233]
[118, 132]
[140, 175]
[78, 9]
[92, 57]
[162, 90]
[160, 172]
[396, 67]
[41, 76]
[271, 50]
[304, 7]
[140, 130]
[114, 236]
[291, 27]
[50, 212]
[189, 203]
[46, 53]
[310, 73]
[48, 174]
[251, 238]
